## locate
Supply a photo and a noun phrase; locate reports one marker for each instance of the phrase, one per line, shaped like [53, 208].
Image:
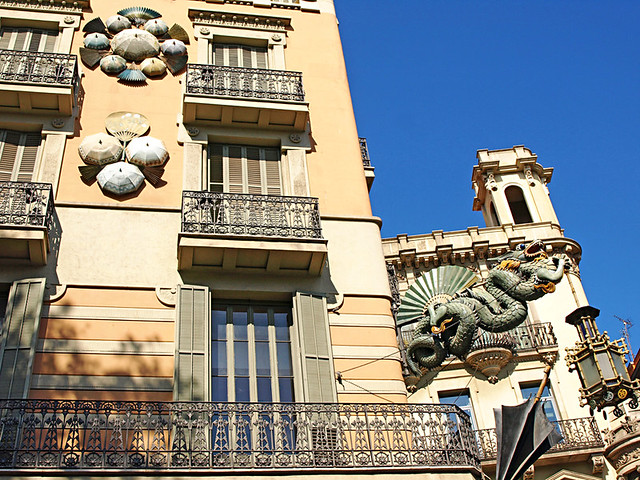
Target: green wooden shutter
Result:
[313, 329]
[192, 371]
[19, 337]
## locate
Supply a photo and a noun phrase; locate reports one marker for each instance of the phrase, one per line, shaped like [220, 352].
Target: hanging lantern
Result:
[600, 364]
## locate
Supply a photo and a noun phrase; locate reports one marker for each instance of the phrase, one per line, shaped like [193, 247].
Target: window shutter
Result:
[19, 337]
[261, 58]
[254, 178]
[192, 372]
[218, 54]
[216, 179]
[49, 45]
[34, 42]
[272, 172]
[317, 367]
[19, 155]
[5, 38]
[236, 183]
[21, 38]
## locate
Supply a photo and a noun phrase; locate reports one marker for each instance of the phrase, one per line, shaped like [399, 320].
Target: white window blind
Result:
[28, 39]
[244, 169]
[231, 55]
[18, 155]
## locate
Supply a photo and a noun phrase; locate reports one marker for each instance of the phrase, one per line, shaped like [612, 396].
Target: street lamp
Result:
[600, 364]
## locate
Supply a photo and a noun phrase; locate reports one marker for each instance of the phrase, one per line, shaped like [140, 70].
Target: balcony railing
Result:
[25, 204]
[190, 436]
[523, 337]
[250, 215]
[238, 82]
[578, 433]
[364, 151]
[38, 68]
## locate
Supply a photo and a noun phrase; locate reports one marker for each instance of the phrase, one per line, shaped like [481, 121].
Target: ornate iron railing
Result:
[26, 204]
[177, 436]
[578, 433]
[364, 151]
[523, 337]
[250, 215]
[38, 68]
[244, 82]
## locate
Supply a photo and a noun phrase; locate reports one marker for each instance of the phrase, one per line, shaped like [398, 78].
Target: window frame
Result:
[468, 409]
[266, 176]
[545, 400]
[19, 155]
[230, 342]
[44, 46]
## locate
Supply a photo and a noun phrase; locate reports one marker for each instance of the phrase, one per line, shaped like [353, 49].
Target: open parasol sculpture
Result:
[132, 43]
[106, 156]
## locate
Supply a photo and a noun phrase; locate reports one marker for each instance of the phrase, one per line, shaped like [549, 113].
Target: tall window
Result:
[28, 39]
[530, 390]
[246, 56]
[18, 155]
[244, 169]
[251, 358]
[462, 400]
[518, 205]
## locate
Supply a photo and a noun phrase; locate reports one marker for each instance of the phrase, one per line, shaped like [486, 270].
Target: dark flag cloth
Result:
[524, 435]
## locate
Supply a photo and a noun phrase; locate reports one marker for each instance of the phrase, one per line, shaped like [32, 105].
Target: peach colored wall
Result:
[367, 336]
[101, 395]
[110, 297]
[57, 328]
[366, 305]
[100, 365]
[313, 47]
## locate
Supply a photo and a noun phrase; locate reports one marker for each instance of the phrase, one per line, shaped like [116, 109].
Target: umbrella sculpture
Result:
[120, 178]
[524, 435]
[135, 37]
[146, 155]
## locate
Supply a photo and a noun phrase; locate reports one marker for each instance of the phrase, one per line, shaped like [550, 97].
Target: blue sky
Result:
[433, 81]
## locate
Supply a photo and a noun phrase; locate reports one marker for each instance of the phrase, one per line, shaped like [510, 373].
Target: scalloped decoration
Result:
[179, 33]
[133, 75]
[91, 57]
[139, 15]
[95, 26]
[175, 63]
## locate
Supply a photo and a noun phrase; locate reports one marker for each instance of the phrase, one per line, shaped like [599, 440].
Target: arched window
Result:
[518, 205]
[493, 215]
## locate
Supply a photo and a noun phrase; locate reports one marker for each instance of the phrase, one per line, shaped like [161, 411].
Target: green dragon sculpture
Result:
[520, 276]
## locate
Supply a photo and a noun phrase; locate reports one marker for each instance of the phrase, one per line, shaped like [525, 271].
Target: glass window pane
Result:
[219, 389]
[218, 358]
[281, 320]
[241, 353]
[263, 362]
[219, 323]
[240, 323]
[242, 389]
[284, 359]
[264, 389]
[261, 324]
[285, 385]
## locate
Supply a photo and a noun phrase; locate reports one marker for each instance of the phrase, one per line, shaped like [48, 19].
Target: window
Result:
[18, 155]
[231, 55]
[28, 39]
[518, 205]
[251, 358]
[462, 400]
[244, 169]
[547, 401]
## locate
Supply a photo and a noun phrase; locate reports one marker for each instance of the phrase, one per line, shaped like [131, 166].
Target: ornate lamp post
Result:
[600, 364]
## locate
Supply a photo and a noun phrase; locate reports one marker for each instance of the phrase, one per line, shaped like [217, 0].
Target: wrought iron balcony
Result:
[523, 337]
[250, 215]
[133, 436]
[26, 221]
[256, 232]
[38, 68]
[578, 433]
[249, 83]
[25, 204]
[364, 151]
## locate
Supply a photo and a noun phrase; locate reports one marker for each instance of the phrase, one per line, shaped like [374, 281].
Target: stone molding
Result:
[239, 20]
[61, 6]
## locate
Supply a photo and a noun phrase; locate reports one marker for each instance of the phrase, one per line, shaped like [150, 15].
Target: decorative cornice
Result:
[62, 6]
[291, 4]
[239, 20]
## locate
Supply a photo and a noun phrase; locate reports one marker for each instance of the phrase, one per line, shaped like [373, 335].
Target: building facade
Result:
[190, 269]
[507, 368]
